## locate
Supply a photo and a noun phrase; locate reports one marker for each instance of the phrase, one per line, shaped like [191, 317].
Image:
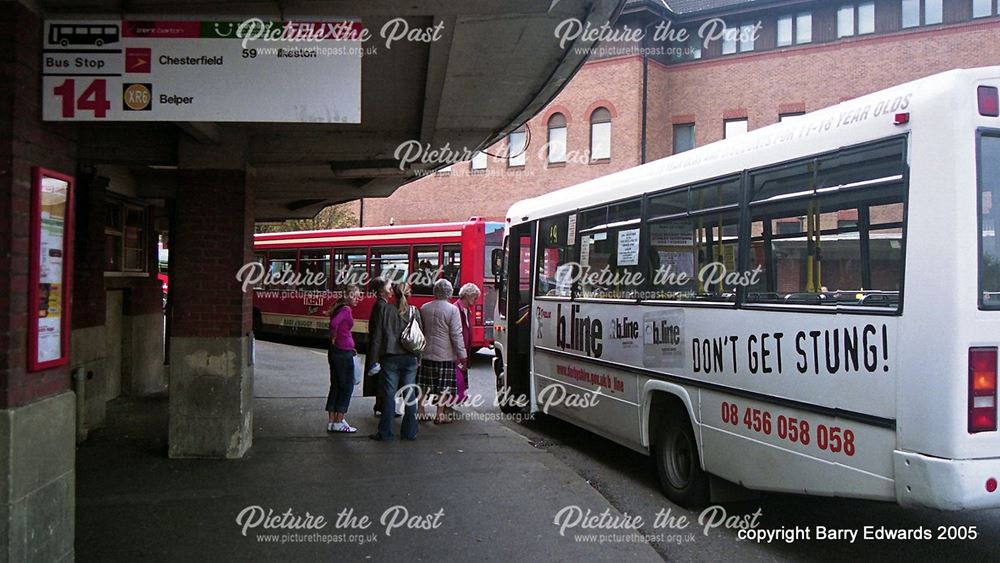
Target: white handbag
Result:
[412, 338]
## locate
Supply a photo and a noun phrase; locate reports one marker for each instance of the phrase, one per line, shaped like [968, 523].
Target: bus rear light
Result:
[982, 389]
[901, 118]
[991, 485]
[479, 314]
[989, 101]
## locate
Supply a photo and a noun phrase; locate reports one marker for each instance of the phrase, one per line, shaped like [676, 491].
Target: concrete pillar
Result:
[211, 371]
[37, 410]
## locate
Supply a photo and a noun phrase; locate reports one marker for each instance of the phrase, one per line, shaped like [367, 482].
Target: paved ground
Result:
[494, 494]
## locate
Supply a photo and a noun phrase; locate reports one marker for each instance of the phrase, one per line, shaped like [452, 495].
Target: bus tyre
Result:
[682, 479]
[99, 43]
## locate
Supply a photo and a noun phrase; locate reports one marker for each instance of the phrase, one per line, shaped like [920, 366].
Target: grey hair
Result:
[443, 289]
[470, 289]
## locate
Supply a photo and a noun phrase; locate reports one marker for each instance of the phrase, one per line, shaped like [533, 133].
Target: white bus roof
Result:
[847, 123]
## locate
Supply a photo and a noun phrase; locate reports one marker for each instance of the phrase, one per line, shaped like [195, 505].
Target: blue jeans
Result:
[341, 379]
[399, 371]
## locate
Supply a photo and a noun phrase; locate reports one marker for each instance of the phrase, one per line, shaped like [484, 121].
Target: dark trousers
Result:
[399, 372]
[341, 379]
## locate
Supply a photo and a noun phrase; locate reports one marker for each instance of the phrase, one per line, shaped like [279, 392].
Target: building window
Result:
[479, 161]
[791, 116]
[747, 33]
[856, 19]
[557, 138]
[728, 44]
[600, 134]
[691, 50]
[124, 237]
[922, 12]
[735, 127]
[683, 137]
[743, 40]
[516, 148]
[794, 29]
[982, 8]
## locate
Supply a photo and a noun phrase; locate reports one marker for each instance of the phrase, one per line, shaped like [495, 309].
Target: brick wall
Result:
[88, 255]
[25, 141]
[211, 238]
[614, 83]
[758, 85]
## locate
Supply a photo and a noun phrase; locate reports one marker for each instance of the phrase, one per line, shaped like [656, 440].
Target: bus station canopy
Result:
[490, 68]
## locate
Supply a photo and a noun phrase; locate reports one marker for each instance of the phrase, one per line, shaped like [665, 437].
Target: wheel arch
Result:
[660, 398]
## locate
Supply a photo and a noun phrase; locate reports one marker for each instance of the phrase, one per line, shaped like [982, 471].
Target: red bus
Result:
[297, 276]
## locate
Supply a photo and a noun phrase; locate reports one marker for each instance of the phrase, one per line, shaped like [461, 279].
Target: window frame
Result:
[980, 133]
[481, 156]
[120, 231]
[564, 127]
[795, 35]
[856, 20]
[921, 6]
[746, 238]
[743, 208]
[673, 140]
[725, 126]
[518, 159]
[610, 132]
[990, 9]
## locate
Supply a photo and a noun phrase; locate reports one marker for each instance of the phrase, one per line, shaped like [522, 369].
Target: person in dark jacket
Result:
[373, 381]
[399, 365]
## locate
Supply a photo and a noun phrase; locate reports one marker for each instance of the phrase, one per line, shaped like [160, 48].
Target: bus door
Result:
[519, 310]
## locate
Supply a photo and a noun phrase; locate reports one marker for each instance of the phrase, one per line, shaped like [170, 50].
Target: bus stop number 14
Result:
[93, 98]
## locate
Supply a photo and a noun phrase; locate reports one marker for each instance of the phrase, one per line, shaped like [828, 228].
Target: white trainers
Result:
[343, 427]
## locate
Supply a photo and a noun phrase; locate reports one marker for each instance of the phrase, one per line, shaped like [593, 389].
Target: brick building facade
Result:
[758, 82]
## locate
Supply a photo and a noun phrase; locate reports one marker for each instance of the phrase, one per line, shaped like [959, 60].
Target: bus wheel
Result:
[676, 454]
[64, 43]
[99, 43]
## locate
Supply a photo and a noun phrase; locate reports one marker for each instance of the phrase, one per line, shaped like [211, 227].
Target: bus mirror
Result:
[496, 258]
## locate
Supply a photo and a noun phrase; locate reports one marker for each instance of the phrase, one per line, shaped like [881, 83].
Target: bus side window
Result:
[504, 281]
[259, 258]
[425, 269]
[281, 267]
[554, 255]
[609, 249]
[452, 268]
[350, 267]
[694, 241]
[314, 265]
[391, 263]
[829, 231]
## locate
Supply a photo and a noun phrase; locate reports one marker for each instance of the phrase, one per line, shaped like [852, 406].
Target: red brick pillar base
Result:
[211, 371]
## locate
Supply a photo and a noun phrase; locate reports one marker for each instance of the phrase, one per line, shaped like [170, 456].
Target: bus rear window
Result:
[989, 220]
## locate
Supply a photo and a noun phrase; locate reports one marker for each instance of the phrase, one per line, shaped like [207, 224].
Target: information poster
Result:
[628, 247]
[50, 269]
[246, 71]
[671, 233]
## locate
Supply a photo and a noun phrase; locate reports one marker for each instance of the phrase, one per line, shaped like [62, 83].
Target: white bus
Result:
[812, 307]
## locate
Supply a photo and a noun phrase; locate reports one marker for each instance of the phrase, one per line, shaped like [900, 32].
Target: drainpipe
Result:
[80, 387]
[645, 104]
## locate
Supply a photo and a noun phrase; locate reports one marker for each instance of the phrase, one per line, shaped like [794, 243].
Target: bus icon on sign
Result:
[82, 34]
